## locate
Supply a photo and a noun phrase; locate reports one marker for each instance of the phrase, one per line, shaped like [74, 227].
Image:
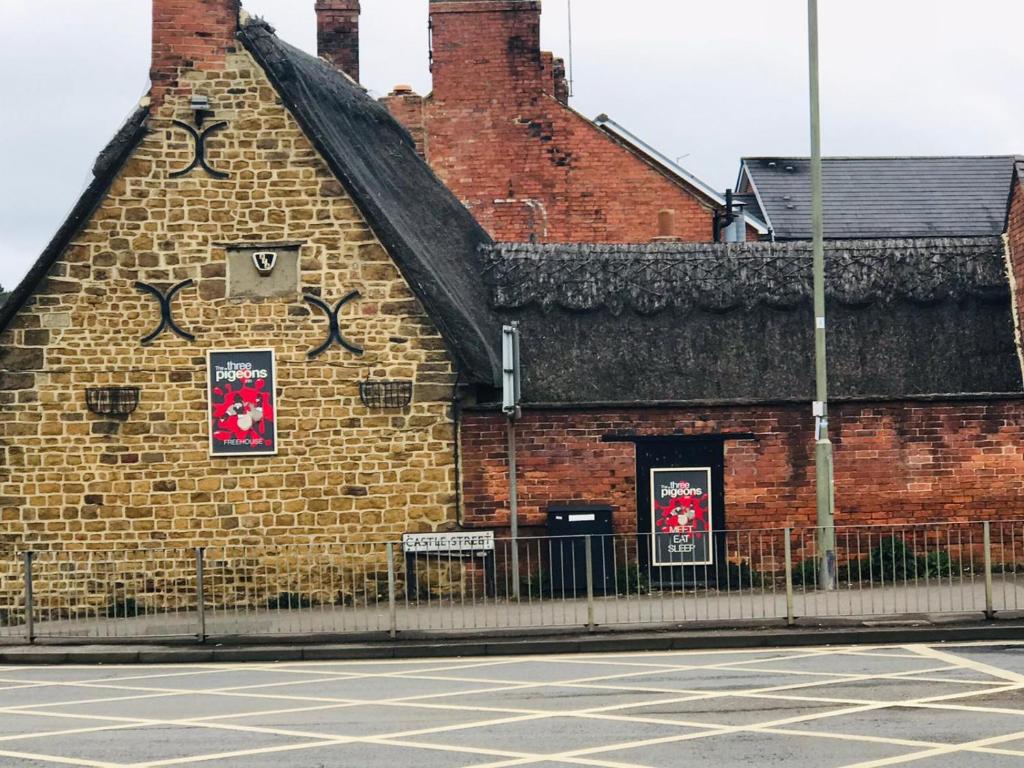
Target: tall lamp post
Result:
[824, 478]
[511, 395]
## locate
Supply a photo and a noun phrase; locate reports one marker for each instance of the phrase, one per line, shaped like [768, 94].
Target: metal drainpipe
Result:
[456, 403]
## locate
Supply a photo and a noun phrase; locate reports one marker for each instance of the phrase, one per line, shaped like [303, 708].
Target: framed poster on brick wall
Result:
[241, 392]
[681, 518]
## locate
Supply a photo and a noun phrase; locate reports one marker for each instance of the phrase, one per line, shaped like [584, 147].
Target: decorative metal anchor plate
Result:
[199, 138]
[166, 316]
[334, 327]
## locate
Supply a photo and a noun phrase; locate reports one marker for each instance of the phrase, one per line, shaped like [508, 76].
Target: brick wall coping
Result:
[482, 6]
[981, 397]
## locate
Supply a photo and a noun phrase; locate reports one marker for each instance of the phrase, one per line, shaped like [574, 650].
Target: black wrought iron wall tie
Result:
[166, 316]
[334, 327]
[199, 138]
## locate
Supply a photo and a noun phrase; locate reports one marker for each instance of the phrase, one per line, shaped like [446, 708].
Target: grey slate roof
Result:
[751, 206]
[431, 236]
[881, 197]
[700, 322]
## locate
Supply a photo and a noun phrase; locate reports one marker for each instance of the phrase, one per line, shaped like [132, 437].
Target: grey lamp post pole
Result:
[824, 482]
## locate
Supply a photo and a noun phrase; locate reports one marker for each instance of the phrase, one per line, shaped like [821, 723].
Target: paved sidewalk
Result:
[926, 706]
[300, 648]
[958, 598]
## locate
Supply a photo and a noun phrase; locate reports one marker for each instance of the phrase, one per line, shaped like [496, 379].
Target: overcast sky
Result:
[703, 82]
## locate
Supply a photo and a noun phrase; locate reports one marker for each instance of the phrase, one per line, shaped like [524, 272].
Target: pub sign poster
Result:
[243, 409]
[681, 516]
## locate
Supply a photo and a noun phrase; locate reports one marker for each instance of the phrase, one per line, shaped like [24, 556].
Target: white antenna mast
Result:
[569, 4]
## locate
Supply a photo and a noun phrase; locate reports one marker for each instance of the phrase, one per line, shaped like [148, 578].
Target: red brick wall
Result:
[190, 34]
[894, 463]
[1015, 236]
[526, 165]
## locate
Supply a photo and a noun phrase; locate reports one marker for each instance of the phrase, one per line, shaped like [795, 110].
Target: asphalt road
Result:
[926, 706]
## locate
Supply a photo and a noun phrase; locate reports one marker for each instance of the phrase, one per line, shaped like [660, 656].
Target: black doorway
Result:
[694, 455]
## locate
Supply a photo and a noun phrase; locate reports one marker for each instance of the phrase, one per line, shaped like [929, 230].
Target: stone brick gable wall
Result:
[70, 479]
[526, 165]
[895, 463]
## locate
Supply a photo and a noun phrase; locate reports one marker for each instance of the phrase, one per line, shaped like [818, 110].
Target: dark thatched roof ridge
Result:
[719, 277]
[107, 166]
[689, 323]
[431, 236]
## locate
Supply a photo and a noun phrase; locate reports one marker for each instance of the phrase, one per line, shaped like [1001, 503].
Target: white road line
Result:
[107, 682]
[72, 731]
[60, 760]
[111, 682]
[526, 758]
[238, 753]
[911, 675]
[938, 751]
[976, 666]
[556, 757]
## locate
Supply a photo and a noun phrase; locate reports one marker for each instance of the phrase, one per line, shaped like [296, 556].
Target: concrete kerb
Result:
[310, 650]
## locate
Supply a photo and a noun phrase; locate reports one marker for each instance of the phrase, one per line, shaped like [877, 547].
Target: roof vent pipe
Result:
[736, 232]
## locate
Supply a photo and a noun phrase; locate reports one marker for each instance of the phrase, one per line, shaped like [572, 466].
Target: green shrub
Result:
[740, 576]
[538, 584]
[1007, 567]
[937, 564]
[631, 579]
[805, 573]
[893, 560]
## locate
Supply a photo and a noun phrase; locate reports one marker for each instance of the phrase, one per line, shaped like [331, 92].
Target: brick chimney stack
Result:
[484, 49]
[337, 34]
[190, 34]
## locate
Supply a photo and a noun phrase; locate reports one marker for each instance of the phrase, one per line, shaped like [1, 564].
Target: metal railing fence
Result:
[378, 589]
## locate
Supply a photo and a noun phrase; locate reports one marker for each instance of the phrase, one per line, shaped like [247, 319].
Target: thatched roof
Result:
[699, 322]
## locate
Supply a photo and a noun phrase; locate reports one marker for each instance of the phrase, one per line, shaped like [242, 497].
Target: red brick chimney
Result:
[485, 49]
[337, 34]
[1015, 254]
[555, 82]
[561, 89]
[190, 34]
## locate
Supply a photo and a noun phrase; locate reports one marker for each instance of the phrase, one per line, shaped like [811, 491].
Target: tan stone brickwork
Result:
[71, 479]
